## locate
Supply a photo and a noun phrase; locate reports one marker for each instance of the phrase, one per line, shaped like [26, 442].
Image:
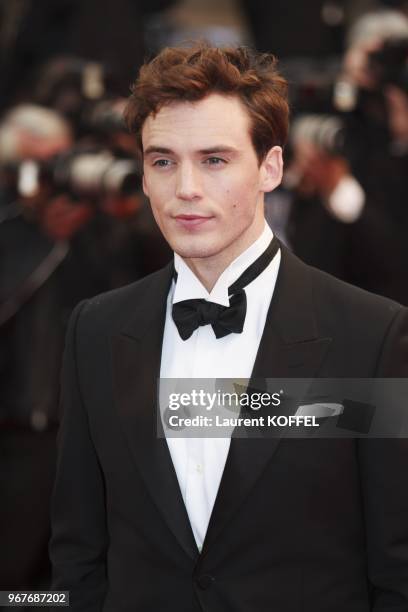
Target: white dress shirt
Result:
[199, 462]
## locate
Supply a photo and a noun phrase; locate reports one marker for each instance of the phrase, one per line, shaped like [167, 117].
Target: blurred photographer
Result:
[327, 199]
[368, 96]
[31, 336]
[372, 94]
[333, 223]
[31, 136]
[121, 241]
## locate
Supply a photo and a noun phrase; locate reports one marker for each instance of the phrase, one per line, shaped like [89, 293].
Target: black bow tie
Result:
[188, 315]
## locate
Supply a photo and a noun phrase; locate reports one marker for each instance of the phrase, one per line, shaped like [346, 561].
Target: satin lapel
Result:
[290, 348]
[136, 368]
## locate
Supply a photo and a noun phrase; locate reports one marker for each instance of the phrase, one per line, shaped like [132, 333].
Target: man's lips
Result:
[189, 221]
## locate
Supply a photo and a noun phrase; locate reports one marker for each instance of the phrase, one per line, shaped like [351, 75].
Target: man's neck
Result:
[209, 269]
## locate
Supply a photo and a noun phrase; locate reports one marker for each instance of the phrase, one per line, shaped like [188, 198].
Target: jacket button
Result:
[205, 581]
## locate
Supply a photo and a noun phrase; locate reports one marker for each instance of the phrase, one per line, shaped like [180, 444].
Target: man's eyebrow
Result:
[154, 149]
[218, 149]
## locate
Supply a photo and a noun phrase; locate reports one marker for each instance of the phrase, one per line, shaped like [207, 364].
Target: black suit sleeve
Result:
[79, 534]
[384, 469]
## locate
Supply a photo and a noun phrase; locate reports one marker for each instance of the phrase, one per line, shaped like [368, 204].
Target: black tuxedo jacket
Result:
[298, 525]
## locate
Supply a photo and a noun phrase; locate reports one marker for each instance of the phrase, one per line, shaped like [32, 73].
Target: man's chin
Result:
[195, 251]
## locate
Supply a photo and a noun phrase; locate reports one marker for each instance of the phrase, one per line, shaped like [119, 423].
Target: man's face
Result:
[203, 179]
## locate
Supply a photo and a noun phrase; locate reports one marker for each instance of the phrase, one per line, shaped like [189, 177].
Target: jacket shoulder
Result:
[360, 324]
[111, 308]
[348, 302]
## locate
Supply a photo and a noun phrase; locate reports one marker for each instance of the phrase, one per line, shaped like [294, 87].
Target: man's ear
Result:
[272, 169]
[145, 189]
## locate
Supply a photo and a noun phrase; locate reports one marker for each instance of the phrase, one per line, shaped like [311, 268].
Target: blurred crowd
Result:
[73, 218]
[346, 177]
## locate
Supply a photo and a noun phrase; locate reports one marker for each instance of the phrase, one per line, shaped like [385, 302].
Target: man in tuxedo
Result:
[143, 522]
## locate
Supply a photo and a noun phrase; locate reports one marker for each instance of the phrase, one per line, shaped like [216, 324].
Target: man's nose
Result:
[188, 183]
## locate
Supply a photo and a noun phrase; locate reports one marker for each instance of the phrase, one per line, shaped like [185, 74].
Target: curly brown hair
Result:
[189, 74]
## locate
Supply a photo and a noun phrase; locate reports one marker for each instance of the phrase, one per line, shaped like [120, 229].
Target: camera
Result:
[79, 172]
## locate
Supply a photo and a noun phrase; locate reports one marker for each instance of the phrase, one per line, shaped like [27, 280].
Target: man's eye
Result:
[215, 161]
[162, 163]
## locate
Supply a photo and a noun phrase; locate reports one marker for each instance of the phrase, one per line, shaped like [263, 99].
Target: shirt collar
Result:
[189, 287]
